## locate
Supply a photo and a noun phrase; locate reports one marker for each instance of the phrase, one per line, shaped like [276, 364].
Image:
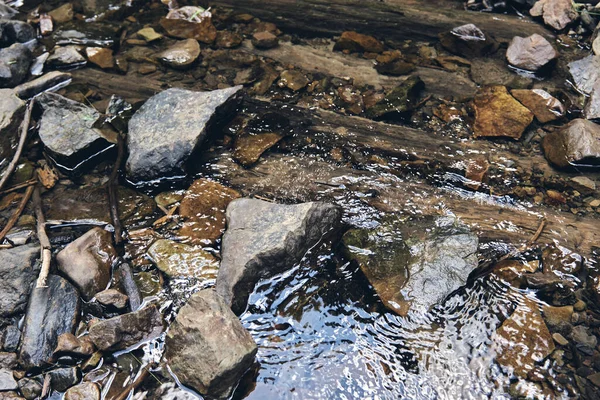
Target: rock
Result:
[560, 339]
[19, 269]
[355, 42]
[584, 183]
[544, 106]
[83, 391]
[11, 112]
[7, 381]
[69, 344]
[67, 129]
[7, 12]
[523, 339]
[228, 39]
[498, 114]
[292, 79]
[100, 56]
[126, 330]
[8, 360]
[264, 239]
[582, 337]
[12, 337]
[50, 81]
[556, 13]
[13, 31]
[62, 379]
[248, 148]
[88, 261]
[585, 73]
[52, 311]
[576, 144]
[207, 347]
[468, 41]
[530, 53]
[395, 68]
[399, 101]
[66, 57]
[492, 72]
[126, 281]
[182, 260]
[190, 23]
[558, 319]
[112, 298]
[414, 265]
[592, 106]
[149, 34]
[14, 65]
[62, 14]
[203, 210]
[563, 263]
[264, 40]
[181, 55]
[30, 388]
[46, 25]
[163, 133]
[476, 172]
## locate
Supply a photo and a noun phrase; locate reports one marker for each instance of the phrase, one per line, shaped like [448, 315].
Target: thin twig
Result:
[15, 217]
[539, 231]
[45, 246]
[18, 186]
[22, 139]
[112, 190]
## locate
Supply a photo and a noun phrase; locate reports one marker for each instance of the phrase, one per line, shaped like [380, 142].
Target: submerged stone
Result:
[190, 23]
[498, 114]
[47, 82]
[164, 132]
[264, 40]
[414, 265]
[264, 239]
[585, 73]
[468, 41]
[100, 56]
[66, 57]
[207, 347]
[530, 53]
[15, 31]
[248, 148]
[576, 144]
[544, 106]
[83, 391]
[182, 260]
[292, 79]
[181, 55]
[11, 111]
[19, 269]
[356, 42]
[399, 101]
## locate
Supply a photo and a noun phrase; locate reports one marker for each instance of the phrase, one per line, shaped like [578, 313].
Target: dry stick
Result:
[18, 186]
[137, 382]
[15, 217]
[22, 139]
[112, 190]
[46, 248]
[539, 231]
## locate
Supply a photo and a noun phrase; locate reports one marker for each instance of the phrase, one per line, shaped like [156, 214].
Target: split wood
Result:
[45, 246]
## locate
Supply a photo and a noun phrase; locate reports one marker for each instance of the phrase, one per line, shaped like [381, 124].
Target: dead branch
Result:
[46, 248]
[112, 190]
[15, 217]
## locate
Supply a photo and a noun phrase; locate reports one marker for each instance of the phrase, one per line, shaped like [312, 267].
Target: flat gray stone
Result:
[530, 53]
[575, 145]
[585, 73]
[264, 239]
[18, 271]
[165, 131]
[7, 381]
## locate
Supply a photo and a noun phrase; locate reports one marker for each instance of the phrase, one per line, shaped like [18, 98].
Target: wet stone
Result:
[530, 53]
[62, 14]
[181, 260]
[46, 25]
[69, 344]
[181, 55]
[292, 79]
[414, 265]
[126, 330]
[491, 72]
[66, 57]
[264, 40]
[7, 381]
[248, 148]
[63, 378]
[544, 106]
[190, 23]
[264, 239]
[48, 81]
[14, 31]
[30, 388]
[556, 13]
[199, 352]
[19, 269]
[112, 298]
[355, 42]
[12, 337]
[87, 261]
[576, 144]
[149, 34]
[8, 360]
[11, 111]
[468, 41]
[228, 40]
[52, 311]
[584, 183]
[558, 319]
[163, 133]
[100, 56]
[498, 114]
[592, 107]
[399, 101]
[585, 73]
[14, 65]
[83, 391]
[560, 339]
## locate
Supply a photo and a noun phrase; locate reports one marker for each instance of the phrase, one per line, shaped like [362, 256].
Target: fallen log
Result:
[391, 20]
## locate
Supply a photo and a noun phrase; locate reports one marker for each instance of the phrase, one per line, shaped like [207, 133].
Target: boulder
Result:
[181, 55]
[498, 114]
[67, 129]
[468, 41]
[530, 53]
[575, 145]
[355, 42]
[182, 260]
[14, 65]
[126, 330]
[414, 265]
[169, 126]
[264, 239]
[207, 347]
[585, 73]
[19, 269]
[556, 13]
[83, 391]
[88, 261]
[52, 311]
[544, 106]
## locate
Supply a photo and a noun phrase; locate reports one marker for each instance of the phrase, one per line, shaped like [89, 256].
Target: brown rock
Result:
[146, 69]
[190, 23]
[181, 55]
[100, 56]
[112, 298]
[69, 344]
[228, 39]
[182, 260]
[558, 319]
[292, 79]
[544, 106]
[530, 53]
[83, 391]
[264, 40]
[562, 262]
[352, 99]
[149, 34]
[576, 144]
[356, 42]
[62, 14]
[46, 26]
[513, 271]
[468, 41]
[475, 173]
[523, 339]
[498, 114]
[203, 209]
[249, 148]
[556, 13]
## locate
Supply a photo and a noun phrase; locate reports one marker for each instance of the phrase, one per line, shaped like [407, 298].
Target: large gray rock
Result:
[264, 239]
[14, 65]
[414, 265]
[127, 330]
[52, 311]
[556, 13]
[592, 107]
[207, 347]
[67, 129]
[585, 73]
[18, 271]
[14, 31]
[11, 112]
[7, 381]
[530, 53]
[87, 261]
[66, 57]
[164, 132]
[575, 145]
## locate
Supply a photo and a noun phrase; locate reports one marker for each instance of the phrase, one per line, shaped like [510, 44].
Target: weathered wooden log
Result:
[393, 19]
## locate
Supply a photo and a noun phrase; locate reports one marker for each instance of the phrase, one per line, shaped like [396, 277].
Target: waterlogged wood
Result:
[392, 20]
